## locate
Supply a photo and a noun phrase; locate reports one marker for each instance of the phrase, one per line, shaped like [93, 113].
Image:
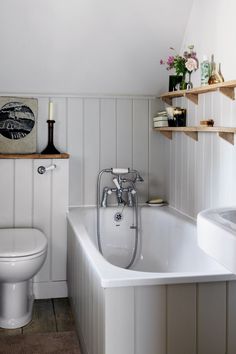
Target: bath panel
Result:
[139, 312]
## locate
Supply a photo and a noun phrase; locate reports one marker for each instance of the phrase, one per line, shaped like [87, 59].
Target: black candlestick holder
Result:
[50, 149]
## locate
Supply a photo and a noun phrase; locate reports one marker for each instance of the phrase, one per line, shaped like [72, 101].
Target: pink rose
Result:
[191, 64]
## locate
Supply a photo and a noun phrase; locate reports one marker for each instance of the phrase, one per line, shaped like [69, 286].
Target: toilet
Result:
[22, 254]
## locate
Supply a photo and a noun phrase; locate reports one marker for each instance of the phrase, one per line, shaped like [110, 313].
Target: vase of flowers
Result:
[183, 64]
[183, 84]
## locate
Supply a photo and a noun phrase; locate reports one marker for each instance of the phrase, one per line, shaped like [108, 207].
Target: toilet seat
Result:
[22, 258]
[21, 243]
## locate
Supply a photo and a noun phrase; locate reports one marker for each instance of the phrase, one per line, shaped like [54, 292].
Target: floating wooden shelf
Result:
[226, 88]
[224, 132]
[34, 156]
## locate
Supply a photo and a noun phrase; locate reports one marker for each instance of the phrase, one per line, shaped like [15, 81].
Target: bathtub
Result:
[152, 308]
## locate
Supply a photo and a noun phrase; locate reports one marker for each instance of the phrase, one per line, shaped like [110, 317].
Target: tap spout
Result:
[106, 191]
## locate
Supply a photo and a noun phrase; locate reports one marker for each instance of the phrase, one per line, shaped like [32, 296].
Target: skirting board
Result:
[48, 290]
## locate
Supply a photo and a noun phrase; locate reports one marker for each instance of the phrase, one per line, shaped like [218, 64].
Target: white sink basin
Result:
[217, 235]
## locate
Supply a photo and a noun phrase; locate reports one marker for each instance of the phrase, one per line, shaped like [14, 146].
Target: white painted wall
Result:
[88, 46]
[211, 29]
[202, 174]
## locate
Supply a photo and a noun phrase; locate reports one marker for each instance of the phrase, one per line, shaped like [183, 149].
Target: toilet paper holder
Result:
[43, 169]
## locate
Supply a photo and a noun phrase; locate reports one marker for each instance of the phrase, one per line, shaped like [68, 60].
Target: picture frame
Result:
[18, 125]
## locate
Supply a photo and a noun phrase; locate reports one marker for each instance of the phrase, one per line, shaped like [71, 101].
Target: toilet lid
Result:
[21, 242]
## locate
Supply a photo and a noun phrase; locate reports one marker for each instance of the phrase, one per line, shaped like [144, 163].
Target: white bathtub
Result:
[117, 310]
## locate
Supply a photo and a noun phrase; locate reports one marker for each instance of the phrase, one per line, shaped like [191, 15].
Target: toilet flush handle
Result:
[43, 169]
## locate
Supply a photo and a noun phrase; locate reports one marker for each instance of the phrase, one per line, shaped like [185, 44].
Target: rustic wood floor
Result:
[50, 315]
[52, 330]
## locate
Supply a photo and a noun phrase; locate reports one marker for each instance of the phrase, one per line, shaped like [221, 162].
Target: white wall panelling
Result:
[101, 132]
[108, 138]
[181, 319]
[153, 317]
[32, 200]
[91, 148]
[75, 132]
[140, 144]
[201, 174]
[158, 167]
[42, 211]
[23, 192]
[212, 318]
[122, 338]
[59, 200]
[7, 188]
[207, 166]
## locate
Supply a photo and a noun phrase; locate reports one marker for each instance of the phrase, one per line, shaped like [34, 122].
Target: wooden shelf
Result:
[226, 88]
[225, 133]
[34, 156]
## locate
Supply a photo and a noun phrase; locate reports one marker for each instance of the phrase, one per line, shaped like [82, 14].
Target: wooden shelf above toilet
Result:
[34, 156]
[226, 88]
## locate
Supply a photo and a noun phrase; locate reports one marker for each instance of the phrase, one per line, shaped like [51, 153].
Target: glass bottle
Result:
[215, 78]
[205, 71]
[220, 73]
[212, 63]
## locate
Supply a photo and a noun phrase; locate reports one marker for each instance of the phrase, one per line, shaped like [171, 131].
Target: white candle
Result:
[50, 110]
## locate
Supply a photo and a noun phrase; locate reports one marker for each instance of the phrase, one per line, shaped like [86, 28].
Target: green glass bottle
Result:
[205, 71]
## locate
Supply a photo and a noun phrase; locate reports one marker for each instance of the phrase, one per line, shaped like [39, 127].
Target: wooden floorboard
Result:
[52, 330]
[43, 319]
[10, 332]
[63, 315]
[41, 343]
[50, 317]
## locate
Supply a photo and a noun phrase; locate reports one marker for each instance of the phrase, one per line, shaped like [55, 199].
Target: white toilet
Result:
[22, 254]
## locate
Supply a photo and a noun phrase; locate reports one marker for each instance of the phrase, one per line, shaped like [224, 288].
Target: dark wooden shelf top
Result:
[35, 156]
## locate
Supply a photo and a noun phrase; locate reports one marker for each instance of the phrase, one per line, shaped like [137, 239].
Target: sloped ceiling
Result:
[88, 46]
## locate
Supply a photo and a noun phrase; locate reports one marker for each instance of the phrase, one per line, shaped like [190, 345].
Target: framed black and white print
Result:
[18, 121]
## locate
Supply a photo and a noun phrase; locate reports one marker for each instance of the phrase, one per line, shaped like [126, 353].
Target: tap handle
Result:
[117, 184]
[43, 169]
[131, 193]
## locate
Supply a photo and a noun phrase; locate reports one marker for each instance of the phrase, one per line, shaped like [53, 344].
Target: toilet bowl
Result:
[22, 254]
